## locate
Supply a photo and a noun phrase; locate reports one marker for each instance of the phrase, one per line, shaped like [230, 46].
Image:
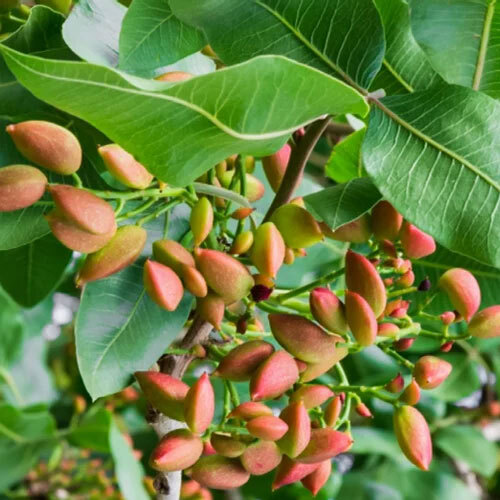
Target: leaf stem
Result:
[221, 193]
[483, 48]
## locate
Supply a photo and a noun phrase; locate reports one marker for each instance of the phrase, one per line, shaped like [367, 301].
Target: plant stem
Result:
[403, 291]
[221, 193]
[296, 165]
[400, 359]
[142, 193]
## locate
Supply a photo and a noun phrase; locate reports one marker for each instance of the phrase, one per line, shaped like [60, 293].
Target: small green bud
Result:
[242, 243]
[201, 220]
[297, 226]
[268, 251]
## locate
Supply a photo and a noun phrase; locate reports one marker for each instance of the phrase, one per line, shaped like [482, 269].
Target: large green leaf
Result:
[343, 203]
[434, 155]
[345, 161]
[342, 38]
[468, 444]
[405, 67]
[92, 30]
[11, 330]
[29, 273]
[461, 39]
[93, 430]
[22, 227]
[24, 435]
[152, 37]
[231, 110]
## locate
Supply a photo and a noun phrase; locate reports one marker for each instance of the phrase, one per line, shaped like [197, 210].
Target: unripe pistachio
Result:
[242, 213]
[299, 429]
[261, 457]
[220, 473]
[172, 254]
[201, 220]
[164, 392]
[388, 330]
[174, 76]
[227, 445]
[324, 444]
[255, 188]
[289, 256]
[211, 308]
[47, 145]
[360, 318]
[396, 384]
[194, 281]
[416, 244]
[242, 361]
[314, 370]
[124, 167]
[357, 231]
[189, 488]
[250, 410]
[317, 479]
[62, 6]
[429, 371]
[273, 377]
[178, 450]
[462, 290]
[297, 226]
[242, 243]
[404, 344]
[448, 317]
[406, 280]
[363, 411]
[20, 187]
[163, 286]
[199, 405]
[486, 323]
[275, 166]
[411, 395]
[267, 427]
[362, 278]
[412, 433]
[290, 471]
[225, 275]
[208, 449]
[268, 251]
[311, 395]
[332, 411]
[328, 310]
[386, 221]
[446, 347]
[394, 305]
[301, 337]
[122, 250]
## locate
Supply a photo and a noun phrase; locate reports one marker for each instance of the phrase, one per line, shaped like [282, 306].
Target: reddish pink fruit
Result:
[208, 449]
[357, 231]
[273, 377]
[448, 317]
[301, 337]
[189, 488]
[386, 221]
[332, 411]
[486, 323]
[177, 450]
[225, 275]
[312, 395]
[242, 361]
[211, 309]
[429, 371]
[328, 310]
[20, 187]
[388, 330]
[267, 427]
[362, 278]
[164, 392]
[406, 280]
[446, 347]
[361, 319]
[219, 473]
[299, 429]
[414, 438]
[227, 445]
[290, 471]
[194, 281]
[199, 405]
[268, 251]
[462, 290]
[317, 479]
[314, 370]
[324, 444]
[275, 166]
[250, 410]
[172, 254]
[242, 213]
[363, 411]
[411, 395]
[396, 384]
[404, 344]
[261, 457]
[163, 286]
[416, 244]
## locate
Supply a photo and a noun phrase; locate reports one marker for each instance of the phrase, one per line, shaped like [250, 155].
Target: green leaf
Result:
[93, 431]
[373, 441]
[345, 161]
[343, 203]
[468, 444]
[461, 39]
[152, 37]
[231, 110]
[432, 155]
[405, 67]
[11, 330]
[24, 435]
[341, 38]
[129, 472]
[29, 273]
[92, 30]
[357, 485]
[22, 227]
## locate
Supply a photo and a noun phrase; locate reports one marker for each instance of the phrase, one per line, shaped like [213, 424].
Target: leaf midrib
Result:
[436, 265]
